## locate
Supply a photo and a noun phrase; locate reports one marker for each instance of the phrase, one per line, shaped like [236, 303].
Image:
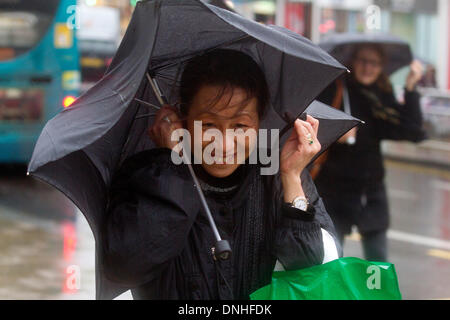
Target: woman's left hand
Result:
[300, 148]
[298, 151]
[415, 74]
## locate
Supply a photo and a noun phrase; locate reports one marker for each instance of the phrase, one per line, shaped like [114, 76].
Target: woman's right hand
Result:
[415, 74]
[166, 121]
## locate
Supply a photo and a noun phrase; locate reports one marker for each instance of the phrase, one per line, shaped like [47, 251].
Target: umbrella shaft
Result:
[203, 200]
[163, 100]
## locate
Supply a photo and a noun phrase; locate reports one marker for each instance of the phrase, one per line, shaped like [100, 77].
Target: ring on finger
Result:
[309, 138]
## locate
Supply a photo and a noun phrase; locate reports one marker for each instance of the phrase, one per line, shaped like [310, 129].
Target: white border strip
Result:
[417, 239]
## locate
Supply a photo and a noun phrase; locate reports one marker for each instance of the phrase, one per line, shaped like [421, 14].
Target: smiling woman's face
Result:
[232, 111]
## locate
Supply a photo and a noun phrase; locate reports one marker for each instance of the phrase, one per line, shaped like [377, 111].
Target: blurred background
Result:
[52, 51]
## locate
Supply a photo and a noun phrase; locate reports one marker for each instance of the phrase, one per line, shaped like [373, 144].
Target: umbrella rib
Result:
[145, 115]
[148, 104]
[156, 89]
[168, 78]
[225, 247]
[159, 75]
[172, 87]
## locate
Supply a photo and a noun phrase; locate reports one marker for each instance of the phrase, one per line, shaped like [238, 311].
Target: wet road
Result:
[43, 240]
[47, 248]
[419, 238]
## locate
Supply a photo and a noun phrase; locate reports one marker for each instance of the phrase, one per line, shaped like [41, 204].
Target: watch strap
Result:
[295, 213]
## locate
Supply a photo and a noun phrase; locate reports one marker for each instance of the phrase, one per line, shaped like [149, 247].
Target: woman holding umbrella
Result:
[350, 176]
[147, 214]
[156, 238]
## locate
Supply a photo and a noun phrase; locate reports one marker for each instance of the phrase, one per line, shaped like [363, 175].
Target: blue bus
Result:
[39, 70]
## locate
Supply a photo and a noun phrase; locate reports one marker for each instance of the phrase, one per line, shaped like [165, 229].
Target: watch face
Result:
[300, 204]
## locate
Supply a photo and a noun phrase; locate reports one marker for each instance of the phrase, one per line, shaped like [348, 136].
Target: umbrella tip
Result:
[348, 71]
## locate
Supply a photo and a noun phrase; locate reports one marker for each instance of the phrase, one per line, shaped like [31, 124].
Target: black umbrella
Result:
[333, 124]
[80, 148]
[224, 4]
[341, 46]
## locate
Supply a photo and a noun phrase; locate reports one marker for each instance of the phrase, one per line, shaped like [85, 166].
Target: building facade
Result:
[423, 23]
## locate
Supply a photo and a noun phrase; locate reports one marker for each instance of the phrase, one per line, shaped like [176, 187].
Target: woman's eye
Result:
[241, 125]
[208, 124]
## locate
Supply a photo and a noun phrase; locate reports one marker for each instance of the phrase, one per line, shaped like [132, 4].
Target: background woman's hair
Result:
[228, 69]
[383, 83]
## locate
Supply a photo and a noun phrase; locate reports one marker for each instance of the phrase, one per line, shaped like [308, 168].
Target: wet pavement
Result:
[43, 240]
[47, 248]
[419, 238]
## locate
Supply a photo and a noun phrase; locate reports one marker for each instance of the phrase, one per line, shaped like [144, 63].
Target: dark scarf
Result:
[377, 100]
[246, 184]
[257, 253]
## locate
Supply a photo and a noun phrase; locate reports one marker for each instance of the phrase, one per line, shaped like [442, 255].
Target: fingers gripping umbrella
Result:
[79, 149]
[333, 124]
[341, 46]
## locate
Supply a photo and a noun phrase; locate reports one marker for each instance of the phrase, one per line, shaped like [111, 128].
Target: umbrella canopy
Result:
[224, 4]
[333, 123]
[341, 46]
[79, 149]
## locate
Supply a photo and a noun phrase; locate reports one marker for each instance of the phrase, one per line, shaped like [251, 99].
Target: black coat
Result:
[354, 173]
[359, 165]
[157, 240]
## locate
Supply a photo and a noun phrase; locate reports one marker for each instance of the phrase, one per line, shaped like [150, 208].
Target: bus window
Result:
[22, 24]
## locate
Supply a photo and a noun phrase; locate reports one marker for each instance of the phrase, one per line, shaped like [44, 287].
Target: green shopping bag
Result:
[341, 279]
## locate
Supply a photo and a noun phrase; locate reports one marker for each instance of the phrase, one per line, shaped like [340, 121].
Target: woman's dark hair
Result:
[228, 69]
[383, 83]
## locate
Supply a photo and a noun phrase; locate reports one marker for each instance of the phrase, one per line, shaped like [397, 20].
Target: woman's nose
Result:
[228, 144]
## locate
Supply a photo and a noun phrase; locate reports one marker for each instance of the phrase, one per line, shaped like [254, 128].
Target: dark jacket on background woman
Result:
[354, 173]
[158, 240]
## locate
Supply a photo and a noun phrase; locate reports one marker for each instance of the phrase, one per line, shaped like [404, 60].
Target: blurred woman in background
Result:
[349, 177]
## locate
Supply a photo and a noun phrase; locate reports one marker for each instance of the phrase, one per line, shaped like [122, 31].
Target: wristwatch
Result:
[300, 203]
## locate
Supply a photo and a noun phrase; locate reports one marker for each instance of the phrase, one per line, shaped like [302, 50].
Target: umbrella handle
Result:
[222, 249]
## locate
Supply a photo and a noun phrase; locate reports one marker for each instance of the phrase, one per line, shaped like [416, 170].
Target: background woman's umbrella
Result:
[80, 149]
[341, 46]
